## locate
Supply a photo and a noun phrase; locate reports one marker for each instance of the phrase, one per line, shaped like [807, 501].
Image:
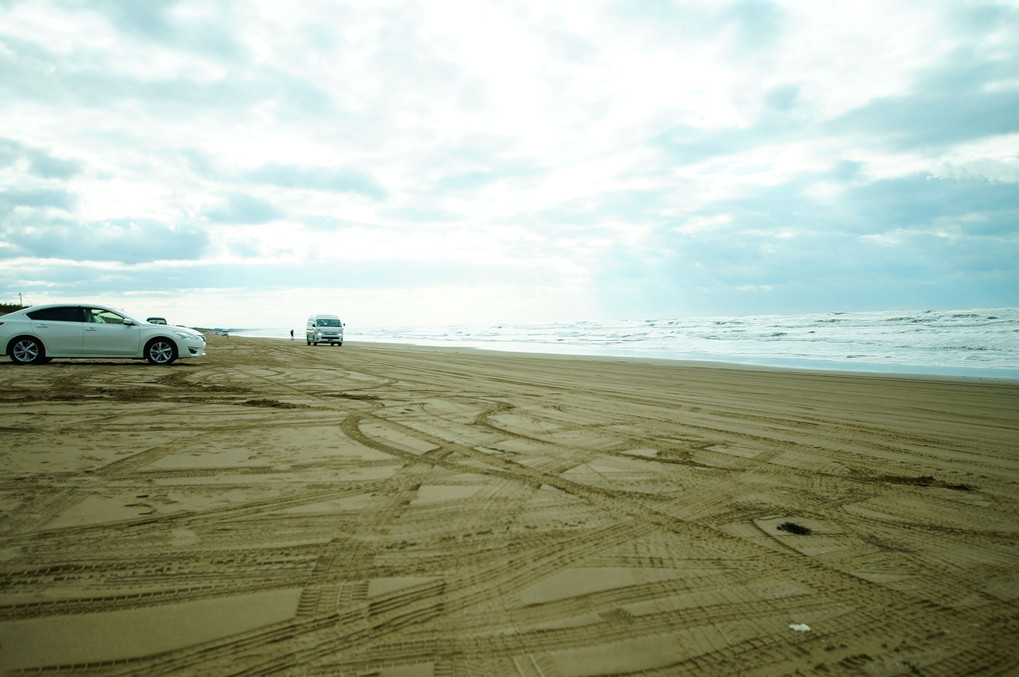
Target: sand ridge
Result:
[276, 508]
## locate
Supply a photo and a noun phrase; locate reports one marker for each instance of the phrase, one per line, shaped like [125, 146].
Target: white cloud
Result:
[992, 159]
[568, 146]
[63, 31]
[699, 224]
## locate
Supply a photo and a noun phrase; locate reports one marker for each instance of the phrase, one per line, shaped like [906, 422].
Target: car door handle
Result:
[91, 329]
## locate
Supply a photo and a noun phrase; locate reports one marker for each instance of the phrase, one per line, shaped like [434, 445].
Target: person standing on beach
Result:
[291, 334]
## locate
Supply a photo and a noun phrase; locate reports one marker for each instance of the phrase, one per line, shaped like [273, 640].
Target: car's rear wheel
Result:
[26, 350]
[160, 351]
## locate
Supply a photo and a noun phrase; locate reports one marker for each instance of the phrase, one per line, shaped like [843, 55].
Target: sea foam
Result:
[974, 342]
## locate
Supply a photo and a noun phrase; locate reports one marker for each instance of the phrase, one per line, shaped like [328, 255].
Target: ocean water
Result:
[982, 342]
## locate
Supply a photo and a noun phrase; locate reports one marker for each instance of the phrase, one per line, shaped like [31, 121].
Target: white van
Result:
[324, 329]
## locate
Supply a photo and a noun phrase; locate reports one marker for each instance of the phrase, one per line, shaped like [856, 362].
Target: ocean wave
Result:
[969, 339]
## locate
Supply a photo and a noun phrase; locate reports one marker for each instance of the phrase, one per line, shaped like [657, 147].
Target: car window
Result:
[58, 314]
[103, 316]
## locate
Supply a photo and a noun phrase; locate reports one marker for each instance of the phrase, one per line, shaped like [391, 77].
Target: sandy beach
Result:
[275, 508]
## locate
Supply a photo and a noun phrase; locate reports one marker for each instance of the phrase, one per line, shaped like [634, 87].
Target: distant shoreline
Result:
[978, 343]
[777, 364]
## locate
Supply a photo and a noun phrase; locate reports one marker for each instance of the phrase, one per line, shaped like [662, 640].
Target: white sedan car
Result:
[40, 333]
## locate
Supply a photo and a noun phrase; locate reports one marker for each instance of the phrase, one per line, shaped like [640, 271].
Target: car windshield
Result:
[329, 323]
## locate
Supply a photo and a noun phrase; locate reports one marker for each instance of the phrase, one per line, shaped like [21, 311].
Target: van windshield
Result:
[328, 323]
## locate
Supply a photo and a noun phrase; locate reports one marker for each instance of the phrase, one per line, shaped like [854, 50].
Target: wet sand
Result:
[396, 511]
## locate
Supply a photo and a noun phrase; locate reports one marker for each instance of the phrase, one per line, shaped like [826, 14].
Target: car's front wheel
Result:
[160, 351]
[26, 350]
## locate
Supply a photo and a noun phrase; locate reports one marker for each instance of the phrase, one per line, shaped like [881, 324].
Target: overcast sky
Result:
[246, 163]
